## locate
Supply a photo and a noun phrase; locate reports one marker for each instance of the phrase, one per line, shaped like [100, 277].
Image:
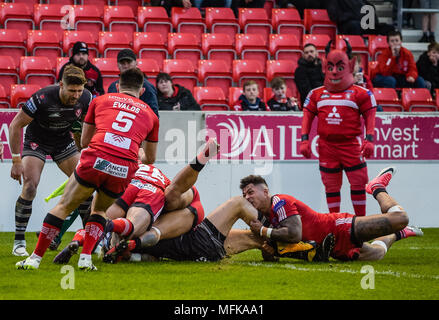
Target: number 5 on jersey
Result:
[123, 122]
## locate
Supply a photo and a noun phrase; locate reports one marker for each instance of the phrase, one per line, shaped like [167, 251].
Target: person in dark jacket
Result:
[428, 66]
[79, 59]
[126, 59]
[250, 101]
[301, 5]
[309, 74]
[347, 15]
[174, 96]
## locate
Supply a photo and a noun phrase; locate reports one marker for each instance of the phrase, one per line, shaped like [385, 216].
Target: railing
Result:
[400, 11]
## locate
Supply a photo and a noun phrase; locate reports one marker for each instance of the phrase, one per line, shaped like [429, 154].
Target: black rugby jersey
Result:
[51, 119]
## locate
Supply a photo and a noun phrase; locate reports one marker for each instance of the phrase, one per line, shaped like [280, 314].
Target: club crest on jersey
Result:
[110, 168]
[33, 145]
[334, 117]
[78, 112]
[117, 140]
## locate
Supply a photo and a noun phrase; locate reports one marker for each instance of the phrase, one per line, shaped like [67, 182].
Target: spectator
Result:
[301, 5]
[347, 15]
[428, 19]
[280, 101]
[212, 3]
[428, 66]
[396, 66]
[174, 96]
[250, 101]
[236, 4]
[309, 74]
[360, 78]
[79, 59]
[126, 59]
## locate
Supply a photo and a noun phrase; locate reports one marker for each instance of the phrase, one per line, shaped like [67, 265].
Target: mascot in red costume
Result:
[339, 105]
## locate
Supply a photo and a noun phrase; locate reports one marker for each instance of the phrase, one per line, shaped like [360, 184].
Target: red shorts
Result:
[346, 247]
[102, 171]
[196, 208]
[340, 154]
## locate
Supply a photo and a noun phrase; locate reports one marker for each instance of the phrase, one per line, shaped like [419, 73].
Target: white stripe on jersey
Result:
[281, 214]
[343, 221]
[336, 102]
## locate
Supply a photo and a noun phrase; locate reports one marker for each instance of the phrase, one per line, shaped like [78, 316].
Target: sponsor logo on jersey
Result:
[279, 205]
[334, 117]
[117, 140]
[55, 115]
[110, 168]
[30, 105]
[323, 96]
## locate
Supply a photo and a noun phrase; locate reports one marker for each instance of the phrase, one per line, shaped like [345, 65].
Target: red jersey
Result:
[149, 174]
[339, 112]
[388, 64]
[122, 123]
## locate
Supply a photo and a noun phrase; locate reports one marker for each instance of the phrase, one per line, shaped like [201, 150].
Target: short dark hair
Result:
[394, 33]
[131, 79]
[163, 76]
[308, 45]
[434, 46]
[277, 82]
[73, 75]
[252, 179]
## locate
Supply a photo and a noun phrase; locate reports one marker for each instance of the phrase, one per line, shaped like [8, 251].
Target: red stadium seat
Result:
[249, 70]
[376, 45]
[46, 43]
[89, 18]
[17, 16]
[234, 94]
[287, 21]
[133, 4]
[254, 20]
[222, 20]
[100, 3]
[358, 47]
[188, 21]
[184, 46]
[284, 69]
[37, 70]
[91, 39]
[154, 19]
[4, 98]
[8, 73]
[59, 64]
[317, 22]
[218, 46]
[371, 68]
[215, 73]
[252, 46]
[20, 93]
[12, 43]
[418, 100]
[211, 98]
[110, 43]
[109, 70]
[182, 72]
[150, 45]
[51, 16]
[388, 99]
[284, 47]
[120, 18]
[437, 97]
[319, 40]
[150, 68]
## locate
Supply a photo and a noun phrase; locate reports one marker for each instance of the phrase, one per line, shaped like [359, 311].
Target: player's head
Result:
[126, 59]
[71, 85]
[131, 82]
[339, 68]
[80, 54]
[255, 190]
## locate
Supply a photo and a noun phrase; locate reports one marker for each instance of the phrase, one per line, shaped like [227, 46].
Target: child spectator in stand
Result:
[428, 66]
[279, 101]
[250, 101]
[360, 78]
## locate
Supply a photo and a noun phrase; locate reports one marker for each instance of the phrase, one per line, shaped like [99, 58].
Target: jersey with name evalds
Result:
[339, 113]
[122, 122]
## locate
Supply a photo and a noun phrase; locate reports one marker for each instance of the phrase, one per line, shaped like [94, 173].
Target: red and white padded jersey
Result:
[339, 113]
[122, 123]
[152, 175]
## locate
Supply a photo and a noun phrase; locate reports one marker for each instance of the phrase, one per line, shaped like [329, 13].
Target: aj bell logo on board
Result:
[334, 117]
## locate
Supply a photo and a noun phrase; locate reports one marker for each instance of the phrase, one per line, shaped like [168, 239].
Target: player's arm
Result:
[289, 230]
[367, 105]
[149, 152]
[88, 130]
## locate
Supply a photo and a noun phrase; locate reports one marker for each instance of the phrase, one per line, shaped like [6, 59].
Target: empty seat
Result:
[254, 20]
[150, 45]
[51, 16]
[188, 20]
[284, 46]
[287, 21]
[222, 20]
[17, 16]
[182, 72]
[4, 98]
[249, 70]
[317, 22]
[109, 70]
[218, 46]
[20, 93]
[388, 99]
[120, 18]
[91, 39]
[185, 46]
[60, 62]
[284, 69]
[417, 100]
[215, 73]
[437, 97]
[371, 69]
[37, 70]
[154, 19]
[150, 68]
[376, 45]
[12, 43]
[251, 46]
[234, 94]
[89, 18]
[211, 98]
[110, 43]
[47, 43]
[8, 73]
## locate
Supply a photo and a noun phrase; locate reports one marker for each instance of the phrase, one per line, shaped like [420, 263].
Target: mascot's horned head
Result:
[339, 68]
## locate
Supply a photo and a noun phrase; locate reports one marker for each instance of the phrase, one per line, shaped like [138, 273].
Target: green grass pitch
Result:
[410, 270]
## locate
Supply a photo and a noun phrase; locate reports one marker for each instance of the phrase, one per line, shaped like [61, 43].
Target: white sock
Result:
[380, 243]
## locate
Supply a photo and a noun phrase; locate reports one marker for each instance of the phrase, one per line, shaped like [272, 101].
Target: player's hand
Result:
[367, 149]
[255, 226]
[305, 149]
[268, 252]
[17, 171]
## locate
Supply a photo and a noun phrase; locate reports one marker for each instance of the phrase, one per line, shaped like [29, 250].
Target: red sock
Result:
[123, 226]
[51, 227]
[333, 199]
[79, 236]
[358, 198]
[93, 232]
